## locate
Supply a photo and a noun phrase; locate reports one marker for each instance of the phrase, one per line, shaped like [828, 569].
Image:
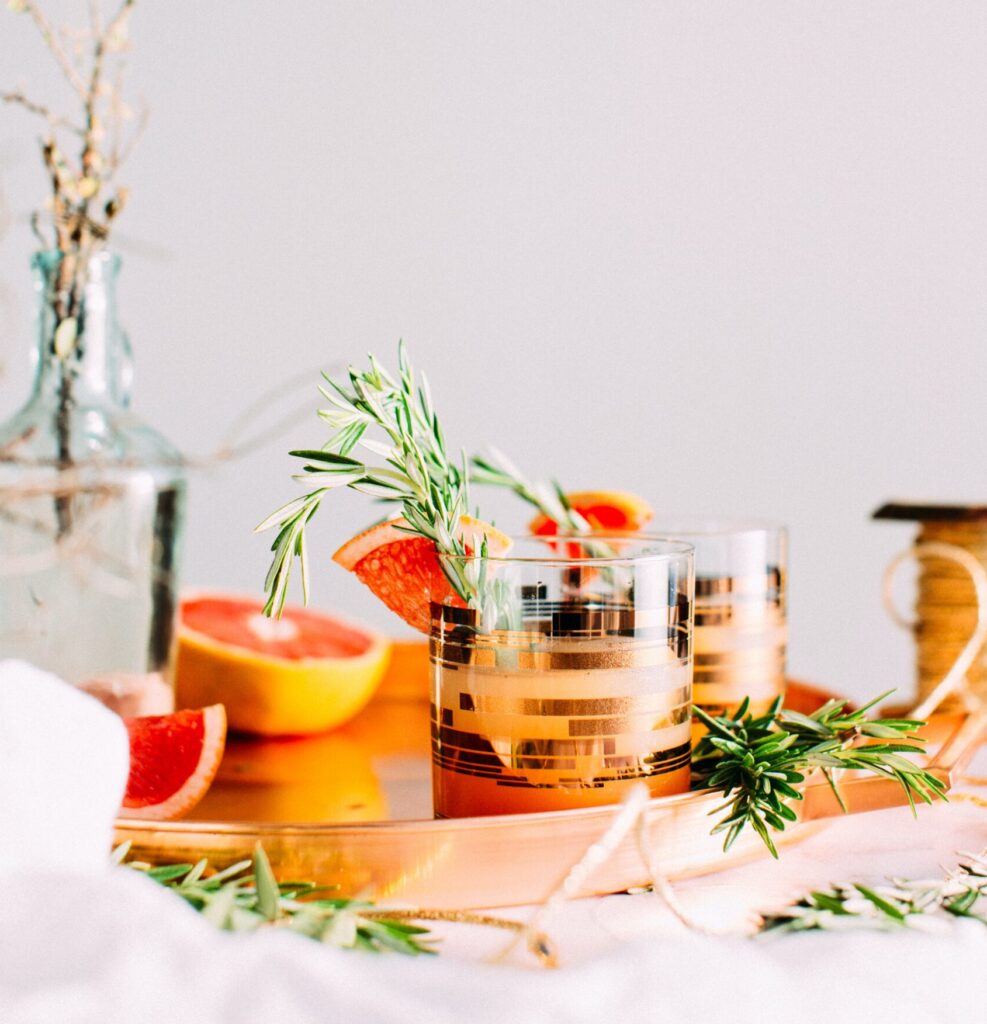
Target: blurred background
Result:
[729, 256]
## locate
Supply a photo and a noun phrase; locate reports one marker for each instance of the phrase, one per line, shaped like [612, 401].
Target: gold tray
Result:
[352, 808]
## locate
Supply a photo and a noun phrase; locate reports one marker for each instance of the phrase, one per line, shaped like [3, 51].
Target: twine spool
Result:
[950, 624]
[946, 607]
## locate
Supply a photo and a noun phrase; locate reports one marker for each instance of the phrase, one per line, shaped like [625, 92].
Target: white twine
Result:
[954, 682]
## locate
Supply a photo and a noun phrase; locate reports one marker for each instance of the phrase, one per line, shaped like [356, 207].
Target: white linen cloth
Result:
[83, 942]
[63, 769]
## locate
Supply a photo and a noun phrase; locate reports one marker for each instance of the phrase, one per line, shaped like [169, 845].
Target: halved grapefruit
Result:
[303, 673]
[617, 511]
[403, 569]
[173, 760]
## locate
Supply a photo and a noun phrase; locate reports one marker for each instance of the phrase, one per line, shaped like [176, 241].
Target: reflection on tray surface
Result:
[375, 768]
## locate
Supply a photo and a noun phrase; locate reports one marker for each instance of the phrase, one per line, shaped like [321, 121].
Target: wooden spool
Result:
[946, 606]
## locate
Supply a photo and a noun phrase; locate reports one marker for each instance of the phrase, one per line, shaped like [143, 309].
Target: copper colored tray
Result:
[353, 808]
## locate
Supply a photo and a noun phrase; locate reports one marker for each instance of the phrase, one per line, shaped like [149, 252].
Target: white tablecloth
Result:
[87, 943]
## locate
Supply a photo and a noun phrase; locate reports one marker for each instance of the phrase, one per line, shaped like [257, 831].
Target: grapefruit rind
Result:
[265, 695]
[357, 548]
[471, 531]
[195, 786]
[402, 568]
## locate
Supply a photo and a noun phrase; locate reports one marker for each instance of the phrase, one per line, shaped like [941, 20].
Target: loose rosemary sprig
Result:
[757, 761]
[246, 896]
[903, 903]
[413, 470]
[493, 467]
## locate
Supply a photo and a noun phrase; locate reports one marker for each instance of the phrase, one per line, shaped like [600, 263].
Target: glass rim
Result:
[674, 550]
[712, 526]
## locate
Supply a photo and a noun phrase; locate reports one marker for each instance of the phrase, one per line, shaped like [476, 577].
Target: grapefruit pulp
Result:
[403, 569]
[617, 511]
[306, 672]
[173, 759]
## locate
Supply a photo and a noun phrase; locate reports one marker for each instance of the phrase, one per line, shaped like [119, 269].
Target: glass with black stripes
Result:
[566, 678]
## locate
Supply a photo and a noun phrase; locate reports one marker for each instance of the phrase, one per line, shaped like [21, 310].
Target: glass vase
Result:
[567, 680]
[91, 503]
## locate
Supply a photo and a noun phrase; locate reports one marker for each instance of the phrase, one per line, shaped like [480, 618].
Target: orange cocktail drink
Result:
[569, 682]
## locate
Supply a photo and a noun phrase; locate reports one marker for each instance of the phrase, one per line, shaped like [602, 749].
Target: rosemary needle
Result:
[246, 896]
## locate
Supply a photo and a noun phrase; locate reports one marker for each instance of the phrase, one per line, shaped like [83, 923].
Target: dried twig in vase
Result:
[84, 199]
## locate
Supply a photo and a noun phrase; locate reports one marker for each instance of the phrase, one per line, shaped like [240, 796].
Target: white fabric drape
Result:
[85, 943]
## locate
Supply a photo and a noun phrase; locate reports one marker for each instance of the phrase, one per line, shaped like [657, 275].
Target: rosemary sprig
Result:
[903, 903]
[246, 896]
[493, 467]
[413, 470]
[757, 761]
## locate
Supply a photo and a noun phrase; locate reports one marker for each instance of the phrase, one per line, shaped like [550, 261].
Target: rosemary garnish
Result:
[246, 896]
[757, 761]
[903, 903]
[413, 471]
[493, 467]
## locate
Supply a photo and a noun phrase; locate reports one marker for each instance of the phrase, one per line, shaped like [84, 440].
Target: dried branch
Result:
[51, 39]
[81, 219]
[110, 39]
[80, 216]
[18, 98]
[36, 229]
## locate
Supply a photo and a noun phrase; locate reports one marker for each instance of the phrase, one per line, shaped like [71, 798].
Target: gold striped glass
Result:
[570, 679]
[741, 628]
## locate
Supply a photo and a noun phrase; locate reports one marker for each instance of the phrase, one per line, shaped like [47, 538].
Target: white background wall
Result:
[729, 255]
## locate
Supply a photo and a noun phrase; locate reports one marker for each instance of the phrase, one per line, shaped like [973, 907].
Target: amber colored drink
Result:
[589, 695]
[741, 635]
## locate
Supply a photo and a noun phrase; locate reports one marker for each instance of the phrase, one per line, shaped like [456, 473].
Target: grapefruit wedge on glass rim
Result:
[605, 511]
[403, 569]
[305, 672]
[173, 760]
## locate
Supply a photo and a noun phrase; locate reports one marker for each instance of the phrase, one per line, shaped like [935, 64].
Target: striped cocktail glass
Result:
[567, 678]
[741, 628]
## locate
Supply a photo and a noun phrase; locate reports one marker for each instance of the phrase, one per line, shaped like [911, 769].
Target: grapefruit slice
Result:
[306, 672]
[617, 511]
[173, 760]
[403, 569]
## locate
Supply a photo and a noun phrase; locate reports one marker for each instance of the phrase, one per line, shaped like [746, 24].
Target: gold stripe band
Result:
[652, 703]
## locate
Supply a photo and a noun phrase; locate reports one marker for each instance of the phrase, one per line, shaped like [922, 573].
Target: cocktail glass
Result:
[741, 628]
[570, 679]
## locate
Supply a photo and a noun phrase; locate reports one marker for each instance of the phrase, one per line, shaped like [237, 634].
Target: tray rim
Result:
[463, 863]
[489, 821]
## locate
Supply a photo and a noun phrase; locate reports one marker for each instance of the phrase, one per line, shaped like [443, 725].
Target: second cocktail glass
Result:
[568, 682]
[741, 629]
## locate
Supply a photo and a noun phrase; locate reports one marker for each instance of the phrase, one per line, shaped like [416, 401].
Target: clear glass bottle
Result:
[91, 504]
